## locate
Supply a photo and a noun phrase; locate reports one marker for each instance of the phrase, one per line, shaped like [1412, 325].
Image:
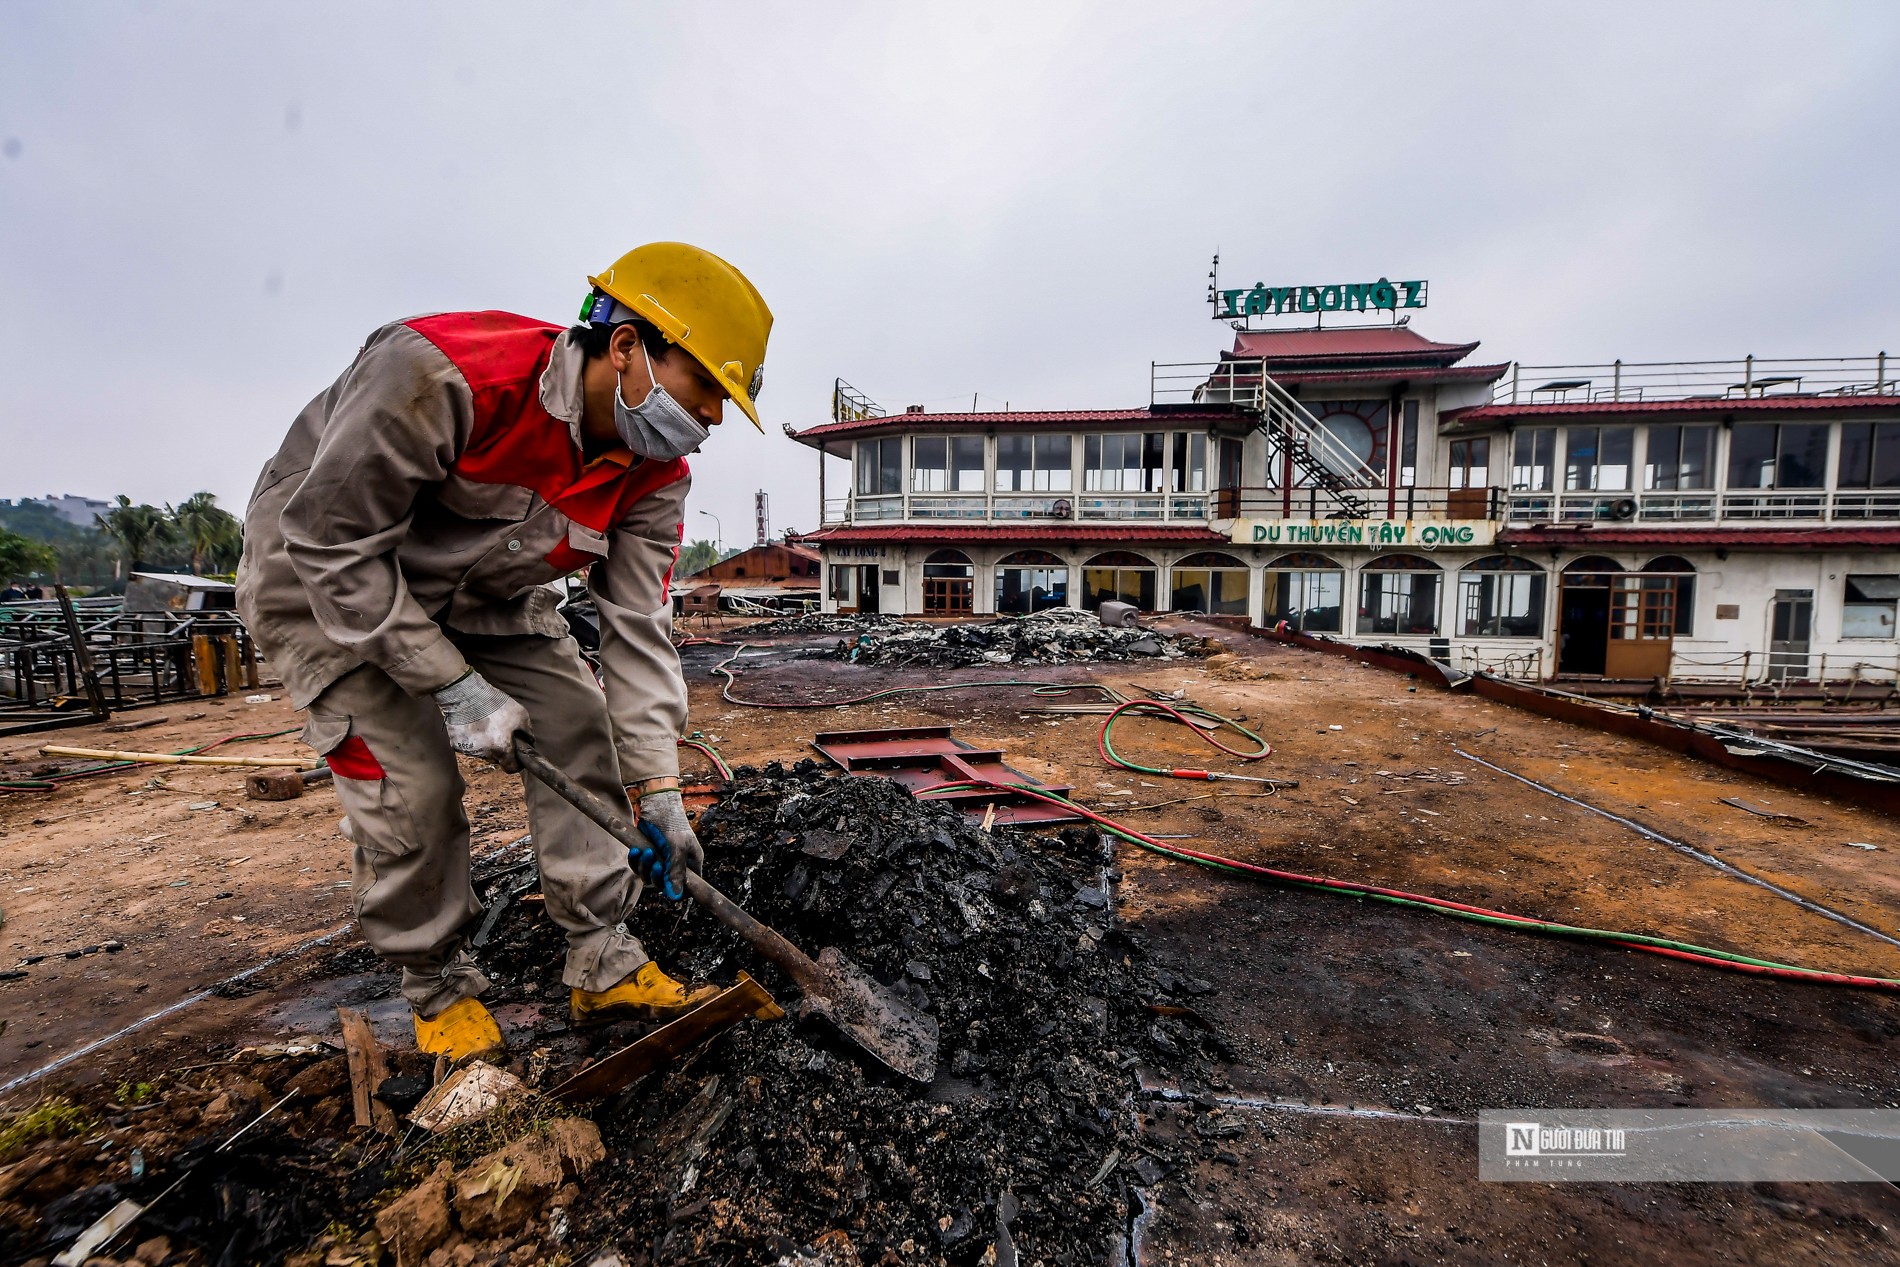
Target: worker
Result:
[398, 555]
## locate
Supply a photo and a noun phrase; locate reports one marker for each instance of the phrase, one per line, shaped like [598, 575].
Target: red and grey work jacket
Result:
[437, 486]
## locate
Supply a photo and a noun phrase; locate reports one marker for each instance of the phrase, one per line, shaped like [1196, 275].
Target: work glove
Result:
[664, 814]
[482, 721]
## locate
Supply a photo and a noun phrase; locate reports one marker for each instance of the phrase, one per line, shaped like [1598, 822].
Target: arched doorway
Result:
[1306, 591]
[949, 584]
[1583, 615]
[1501, 596]
[1030, 581]
[1398, 594]
[1648, 610]
[1209, 582]
[1119, 576]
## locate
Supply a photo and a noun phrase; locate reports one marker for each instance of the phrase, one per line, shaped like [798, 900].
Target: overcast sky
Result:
[204, 208]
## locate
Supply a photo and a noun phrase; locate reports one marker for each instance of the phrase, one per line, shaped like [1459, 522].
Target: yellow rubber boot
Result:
[459, 1031]
[649, 994]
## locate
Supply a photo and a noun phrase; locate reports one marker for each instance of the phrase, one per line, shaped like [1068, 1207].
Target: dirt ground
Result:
[1332, 1004]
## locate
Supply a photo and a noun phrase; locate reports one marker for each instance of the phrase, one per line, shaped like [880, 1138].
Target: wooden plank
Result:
[233, 666]
[668, 1043]
[204, 659]
[367, 1071]
[82, 654]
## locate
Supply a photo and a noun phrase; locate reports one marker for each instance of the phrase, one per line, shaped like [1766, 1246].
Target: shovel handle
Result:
[798, 965]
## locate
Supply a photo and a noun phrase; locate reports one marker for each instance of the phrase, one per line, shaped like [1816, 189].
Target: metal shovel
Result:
[902, 1038]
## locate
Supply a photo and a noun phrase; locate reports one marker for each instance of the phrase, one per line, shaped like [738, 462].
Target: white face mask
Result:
[659, 426]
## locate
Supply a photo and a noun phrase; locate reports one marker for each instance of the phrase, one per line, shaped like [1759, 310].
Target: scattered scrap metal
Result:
[922, 757]
[66, 662]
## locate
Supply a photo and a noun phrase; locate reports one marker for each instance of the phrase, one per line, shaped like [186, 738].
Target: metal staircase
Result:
[1319, 456]
[1317, 453]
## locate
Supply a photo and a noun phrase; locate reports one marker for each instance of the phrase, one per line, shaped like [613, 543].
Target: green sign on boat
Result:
[1271, 301]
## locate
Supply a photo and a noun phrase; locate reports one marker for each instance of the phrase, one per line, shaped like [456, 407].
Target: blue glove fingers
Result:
[656, 864]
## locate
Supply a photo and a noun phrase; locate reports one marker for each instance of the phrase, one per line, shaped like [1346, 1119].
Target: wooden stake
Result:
[367, 1071]
[205, 660]
[82, 654]
[233, 667]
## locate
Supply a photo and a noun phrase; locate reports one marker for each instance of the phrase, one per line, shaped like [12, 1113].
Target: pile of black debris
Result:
[815, 623]
[1058, 636]
[777, 1137]
[777, 1141]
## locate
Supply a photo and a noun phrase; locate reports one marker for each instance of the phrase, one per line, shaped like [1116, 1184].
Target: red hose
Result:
[1153, 708]
[1810, 975]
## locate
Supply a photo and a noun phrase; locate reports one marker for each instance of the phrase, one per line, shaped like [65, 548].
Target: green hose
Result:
[1479, 915]
[1186, 714]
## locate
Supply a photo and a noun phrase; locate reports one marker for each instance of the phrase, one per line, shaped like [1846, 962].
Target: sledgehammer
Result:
[899, 1036]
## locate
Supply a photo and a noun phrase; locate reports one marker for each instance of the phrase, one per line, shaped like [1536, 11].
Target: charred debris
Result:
[1057, 636]
[775, 1142]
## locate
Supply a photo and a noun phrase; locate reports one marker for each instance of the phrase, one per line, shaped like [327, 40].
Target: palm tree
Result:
[211, 531]
[697, 557]
[136, 528]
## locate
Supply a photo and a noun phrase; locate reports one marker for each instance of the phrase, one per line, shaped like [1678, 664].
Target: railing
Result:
[1132, 506]
[1041, 506]
[1774, 506]
[1519, 662]
[1866, 506]
[1380, 503]
[1017, 507]
[1676, 507]
[1699, 507]
[1749, 378]
[1770, 669]
[926, 507]
[1513, 507]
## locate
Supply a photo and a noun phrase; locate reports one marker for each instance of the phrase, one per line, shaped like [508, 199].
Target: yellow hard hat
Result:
[702, 303]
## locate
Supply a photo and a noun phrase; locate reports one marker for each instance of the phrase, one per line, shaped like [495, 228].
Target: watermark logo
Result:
[1533, 1144]
[1690, 1145]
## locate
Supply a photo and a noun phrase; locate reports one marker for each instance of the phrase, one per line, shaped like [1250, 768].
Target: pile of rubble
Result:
[816, 623]
[1059, 636]
[778, 1139]
[775, 1142]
